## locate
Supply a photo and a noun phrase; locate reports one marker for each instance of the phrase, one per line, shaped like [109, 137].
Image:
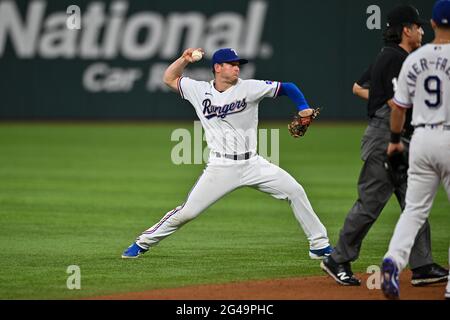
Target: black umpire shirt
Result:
[378, 78]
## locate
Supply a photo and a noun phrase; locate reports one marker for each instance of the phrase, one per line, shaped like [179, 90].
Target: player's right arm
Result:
[391, 80]
[175, 70]
[399, 104]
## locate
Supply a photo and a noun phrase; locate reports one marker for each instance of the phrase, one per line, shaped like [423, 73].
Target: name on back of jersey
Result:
[438, 64]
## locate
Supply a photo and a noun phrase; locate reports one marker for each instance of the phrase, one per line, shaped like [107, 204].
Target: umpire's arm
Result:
[360, 91]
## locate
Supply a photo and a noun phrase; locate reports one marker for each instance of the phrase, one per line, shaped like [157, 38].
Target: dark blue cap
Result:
[227, 55]
[441, 12]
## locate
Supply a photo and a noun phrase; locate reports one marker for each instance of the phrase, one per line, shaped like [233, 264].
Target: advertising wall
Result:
[112, 67]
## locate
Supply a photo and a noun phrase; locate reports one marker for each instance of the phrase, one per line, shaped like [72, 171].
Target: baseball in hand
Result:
[197, 55]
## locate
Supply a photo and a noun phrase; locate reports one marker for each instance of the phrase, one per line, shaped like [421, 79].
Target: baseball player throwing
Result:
[228, 110]
[424, 84]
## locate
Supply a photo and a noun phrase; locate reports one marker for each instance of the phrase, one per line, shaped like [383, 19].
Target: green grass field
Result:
[79, 194]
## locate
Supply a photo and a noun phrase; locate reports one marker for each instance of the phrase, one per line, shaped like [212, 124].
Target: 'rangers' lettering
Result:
[211, 111]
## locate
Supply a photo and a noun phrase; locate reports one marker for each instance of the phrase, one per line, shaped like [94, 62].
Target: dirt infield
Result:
[305, 288]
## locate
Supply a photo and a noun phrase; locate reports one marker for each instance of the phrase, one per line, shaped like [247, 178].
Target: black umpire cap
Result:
[404, 14]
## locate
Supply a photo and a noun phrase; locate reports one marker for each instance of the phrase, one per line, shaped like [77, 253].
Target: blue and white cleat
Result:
[320, 254]
[389, 279]
[133, 252]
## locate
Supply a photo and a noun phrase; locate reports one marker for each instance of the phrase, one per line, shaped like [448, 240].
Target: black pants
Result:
[374, 191]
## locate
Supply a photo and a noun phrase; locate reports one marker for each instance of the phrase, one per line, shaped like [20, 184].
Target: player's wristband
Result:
[395, 137]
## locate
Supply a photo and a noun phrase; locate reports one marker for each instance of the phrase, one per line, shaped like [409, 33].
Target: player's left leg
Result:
[423, 182]
[217, 180]
[447, 290]
[422, 186]
[271, 179]
[419, 199]
[445, 177]
[444, 155]
[421, 257]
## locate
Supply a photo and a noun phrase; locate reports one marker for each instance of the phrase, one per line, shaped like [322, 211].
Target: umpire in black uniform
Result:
[376, 185]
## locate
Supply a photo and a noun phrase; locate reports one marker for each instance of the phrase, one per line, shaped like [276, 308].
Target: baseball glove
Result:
[298, 127]
[397, 167]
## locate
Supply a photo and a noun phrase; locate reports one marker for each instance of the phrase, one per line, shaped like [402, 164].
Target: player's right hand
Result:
[395, 147]
[187, 54]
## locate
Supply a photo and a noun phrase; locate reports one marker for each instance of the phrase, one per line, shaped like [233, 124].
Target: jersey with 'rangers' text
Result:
[229, 118]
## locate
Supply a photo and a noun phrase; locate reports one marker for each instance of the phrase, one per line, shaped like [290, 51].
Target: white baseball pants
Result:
[222, 176]
[447, 290]
[429, 164]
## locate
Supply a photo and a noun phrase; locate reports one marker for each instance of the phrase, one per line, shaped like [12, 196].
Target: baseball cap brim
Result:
[241, 61]
[422, 22]
[419, 22]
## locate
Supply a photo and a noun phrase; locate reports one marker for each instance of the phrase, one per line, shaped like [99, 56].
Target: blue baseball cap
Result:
[441, 12]
[227, 55]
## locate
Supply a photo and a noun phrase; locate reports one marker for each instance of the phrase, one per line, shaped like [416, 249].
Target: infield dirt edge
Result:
[301, 288]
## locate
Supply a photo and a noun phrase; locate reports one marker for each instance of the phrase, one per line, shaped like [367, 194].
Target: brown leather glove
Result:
[302, 120]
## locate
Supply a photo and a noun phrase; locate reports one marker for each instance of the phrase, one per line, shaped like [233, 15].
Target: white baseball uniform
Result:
[230, 121]
[424, 84]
